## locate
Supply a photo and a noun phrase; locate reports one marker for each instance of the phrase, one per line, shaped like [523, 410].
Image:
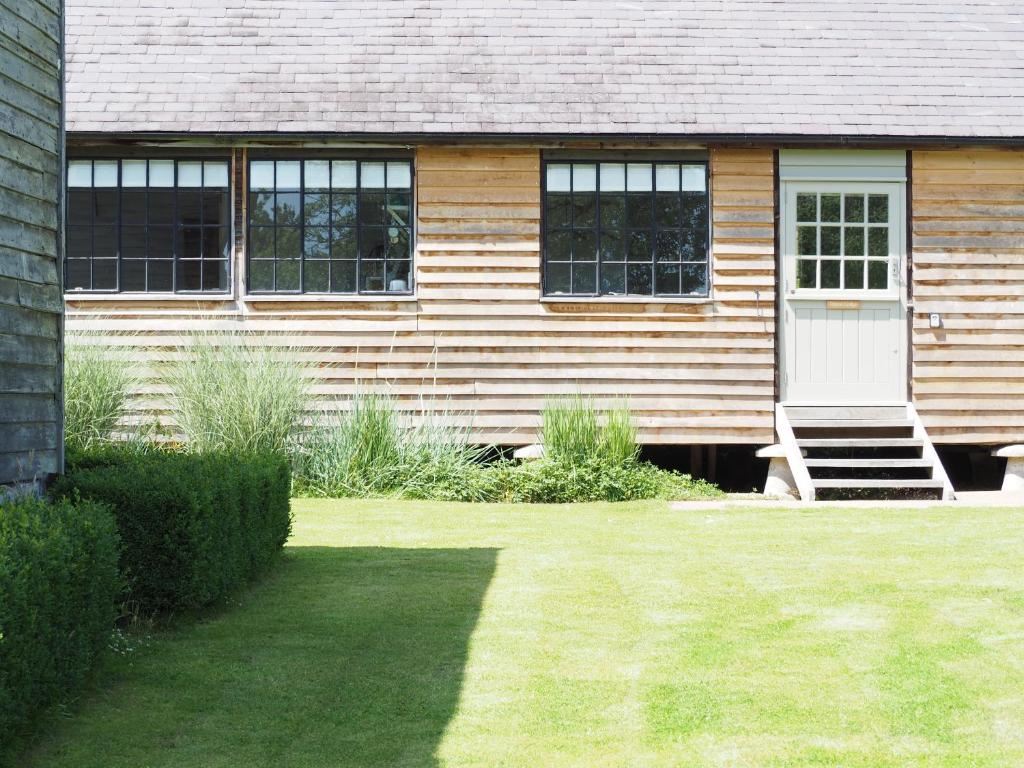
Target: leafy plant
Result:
[98, 386]
[237, 393]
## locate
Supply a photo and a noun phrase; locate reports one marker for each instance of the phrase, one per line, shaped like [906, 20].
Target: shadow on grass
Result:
[343, 657]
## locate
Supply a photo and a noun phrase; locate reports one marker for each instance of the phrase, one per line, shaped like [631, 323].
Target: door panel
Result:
[844, 309]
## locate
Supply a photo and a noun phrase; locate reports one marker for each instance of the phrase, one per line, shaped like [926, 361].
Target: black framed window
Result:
[330, 226]
[626, 228]
[149, 225]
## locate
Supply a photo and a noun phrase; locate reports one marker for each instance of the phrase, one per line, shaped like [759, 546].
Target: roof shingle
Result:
[694, 67]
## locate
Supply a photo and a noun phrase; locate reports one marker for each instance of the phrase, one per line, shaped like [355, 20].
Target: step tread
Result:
[860, 442]
[865, 463]
[845, 412]
[866, 483]
[850, 423]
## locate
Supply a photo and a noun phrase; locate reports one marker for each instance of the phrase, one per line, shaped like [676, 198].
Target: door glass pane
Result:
[878, 275]
[853, 241]
[807, 241]
[807, 207]
[830, 207]
[806, 273]
[830, 241]
[854, 208]
[878, 241]
[853, 274]
[830, 273]
[878, 209]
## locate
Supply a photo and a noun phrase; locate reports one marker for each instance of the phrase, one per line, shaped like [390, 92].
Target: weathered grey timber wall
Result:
[31, 161]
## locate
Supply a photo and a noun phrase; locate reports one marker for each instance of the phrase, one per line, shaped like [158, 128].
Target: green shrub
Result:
[573, 432]
[58, 594]
[194, 527]
[372, 450]
[232, 392]
[98, 384]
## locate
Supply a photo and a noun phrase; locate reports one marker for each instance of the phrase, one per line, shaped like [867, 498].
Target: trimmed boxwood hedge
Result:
[59, 588]
[194, 527]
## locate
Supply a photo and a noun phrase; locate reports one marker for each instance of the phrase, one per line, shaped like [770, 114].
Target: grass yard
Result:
[424, 634]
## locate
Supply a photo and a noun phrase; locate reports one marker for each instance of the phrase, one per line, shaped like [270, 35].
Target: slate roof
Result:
[671, 67]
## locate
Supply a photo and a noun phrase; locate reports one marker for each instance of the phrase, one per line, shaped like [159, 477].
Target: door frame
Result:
[898, 270]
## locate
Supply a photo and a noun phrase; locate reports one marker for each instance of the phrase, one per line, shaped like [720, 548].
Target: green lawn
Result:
[423, 634]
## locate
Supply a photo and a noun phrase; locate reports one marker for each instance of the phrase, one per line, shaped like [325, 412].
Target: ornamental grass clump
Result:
[237, 392]
[573, 432]
[98, 386]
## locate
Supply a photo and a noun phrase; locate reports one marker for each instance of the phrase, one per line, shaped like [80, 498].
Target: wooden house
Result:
[31, 159]
[709, 208]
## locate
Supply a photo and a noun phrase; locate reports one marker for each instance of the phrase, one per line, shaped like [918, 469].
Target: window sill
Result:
[191, 297]
[625, 300]
[334, 298]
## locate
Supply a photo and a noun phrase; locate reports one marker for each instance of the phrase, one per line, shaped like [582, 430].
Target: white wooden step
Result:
[861, 442]
[852, 424]
[866, 463]
[845, 412]
[864, 483]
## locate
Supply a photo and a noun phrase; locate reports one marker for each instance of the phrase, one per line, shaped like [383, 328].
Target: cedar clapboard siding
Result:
[479, 342]
[968, 252]
[30, 189]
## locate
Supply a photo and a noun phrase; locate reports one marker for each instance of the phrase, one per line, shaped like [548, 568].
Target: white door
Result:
[844, 333]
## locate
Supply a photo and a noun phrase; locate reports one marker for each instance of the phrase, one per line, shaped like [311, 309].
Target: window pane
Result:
[584, 245]
[190, 243]
[878, 274]
[398, 276]
[371, 176]
[215, 207]
[133, 174]
[558, 278]
[161, 173]
[806, 241]
[830, 241]
[317, 275]
[558, 246]
[160, 242]
[830, 207]
[160, 275]
[288, 271]
[695, 279]
[133, 242]
[639, 246]
[104, 274]
[399, 209]
[371, 275]
[878, 241]
[215, 275]
[639, 177]
[104, 242]
[343, 208]
[79, 274]
[638, 279]
[286, 208]
[343, 276]
[104, 174]
[559, 178]
[80, 206]
[584, 178]
[288, 243]
[215, 243]
[853, 243]
[613, 246]
[317, 210]
[133, 206]
[638, 210]
[807, 207]
[318, 177]
[80, 173]
[584, 209]
[584, 278]
[261, 174]
[288, 178]
[317, 243]
[343, 174]
[613, 177]
[613, 279]
[106, 203]
[190, 275]
[829, 273]
[878, 209]
[261, 243]
[694, 178]
[190, 174]
[190, 206]
[666, 278]
[807, 273]
[371, 208]
[668, 245]
[161, 206]
[261, 276]
[79, 242]
[613, 211]
[215, 174]
[261, 208]
[668, 209]
[558, 211]
[399, 176]
[666, 178]
[853, 274]
[695, 212]
[399, 243]
[372, 243]
[343, 243]
[854, 211]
